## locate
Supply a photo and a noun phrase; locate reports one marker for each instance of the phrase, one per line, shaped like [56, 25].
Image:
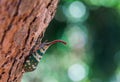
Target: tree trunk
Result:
[21, 23]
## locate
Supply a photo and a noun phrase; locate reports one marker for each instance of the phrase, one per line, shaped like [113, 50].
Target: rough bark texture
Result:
[21, 23]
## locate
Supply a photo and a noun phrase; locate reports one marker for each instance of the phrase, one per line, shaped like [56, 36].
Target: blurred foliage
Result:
[91, 29]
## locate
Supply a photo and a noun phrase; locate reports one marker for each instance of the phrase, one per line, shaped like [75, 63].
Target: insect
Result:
[34, 58]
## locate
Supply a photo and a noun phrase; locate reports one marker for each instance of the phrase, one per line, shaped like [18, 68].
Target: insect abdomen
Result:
[32, 61]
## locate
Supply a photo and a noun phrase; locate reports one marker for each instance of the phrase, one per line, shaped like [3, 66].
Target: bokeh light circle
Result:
[77, 72]
[77, 9]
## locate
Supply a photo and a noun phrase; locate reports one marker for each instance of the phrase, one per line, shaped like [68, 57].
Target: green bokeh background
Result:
[91, 29]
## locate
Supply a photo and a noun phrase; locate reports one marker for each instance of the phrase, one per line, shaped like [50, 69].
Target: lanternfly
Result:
[34, 58]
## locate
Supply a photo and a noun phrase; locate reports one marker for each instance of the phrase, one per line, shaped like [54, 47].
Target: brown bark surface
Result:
[21, 23]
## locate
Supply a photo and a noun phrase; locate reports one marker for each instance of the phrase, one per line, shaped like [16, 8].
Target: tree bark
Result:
[21, 23]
